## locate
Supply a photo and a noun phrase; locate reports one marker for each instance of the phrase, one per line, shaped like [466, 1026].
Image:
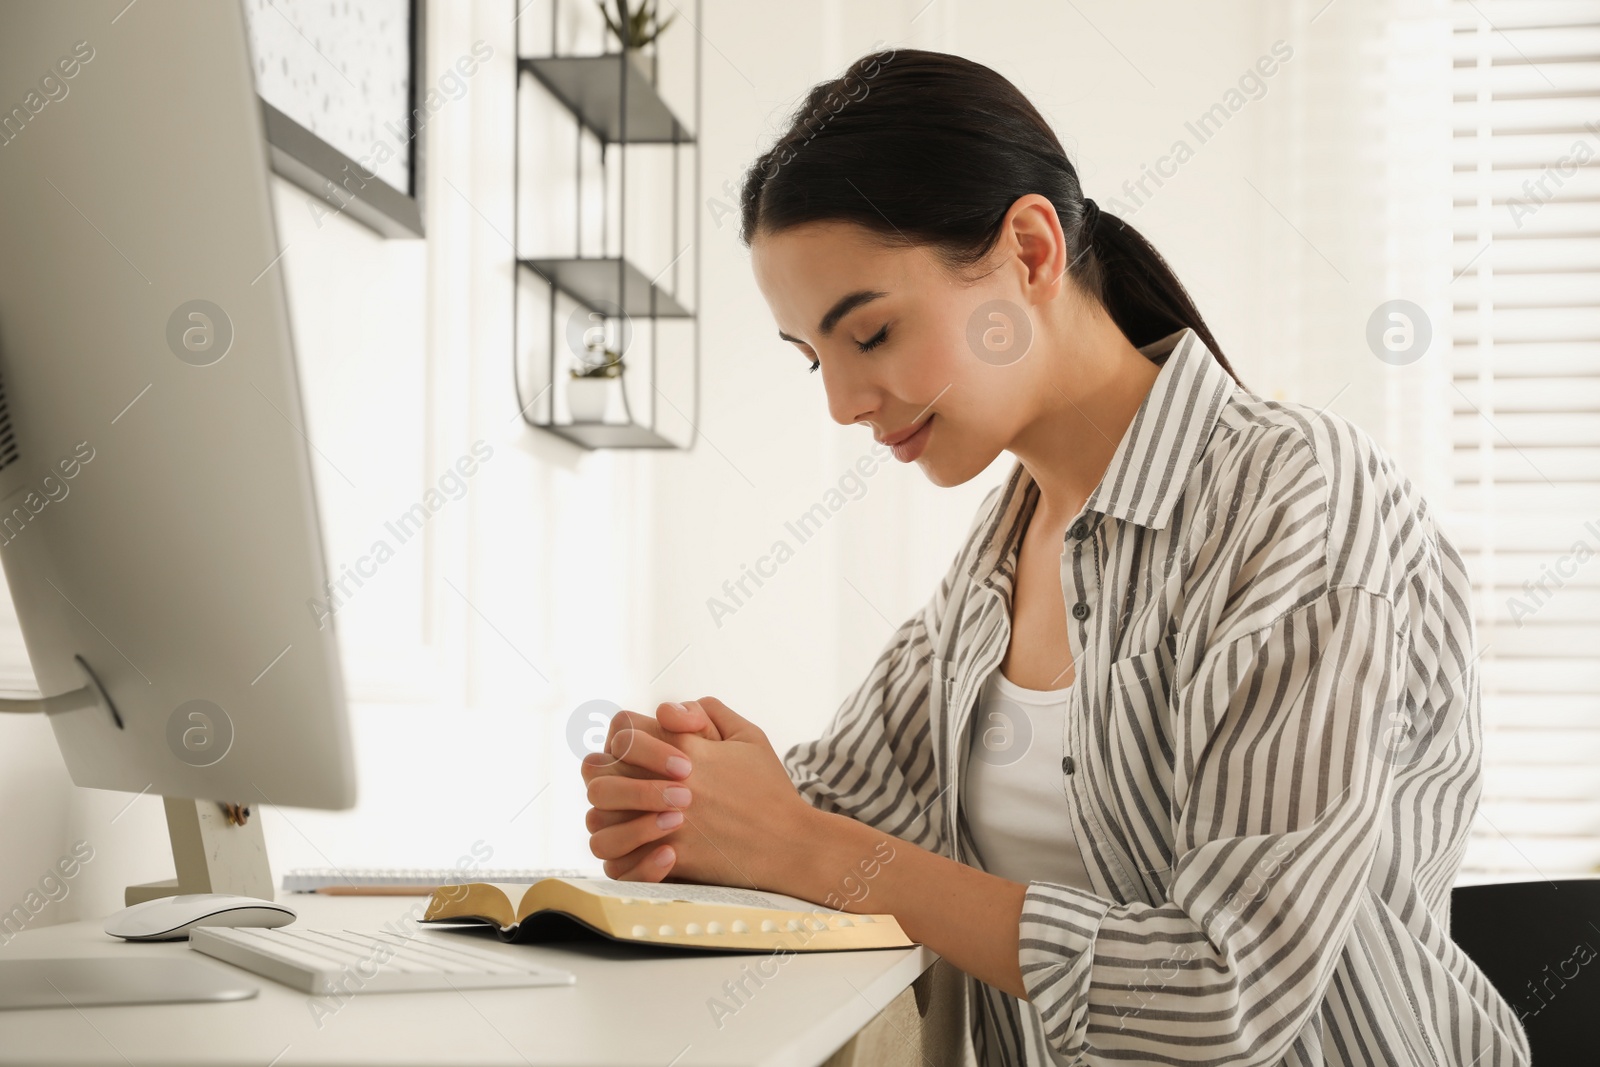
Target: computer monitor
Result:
[158, 520]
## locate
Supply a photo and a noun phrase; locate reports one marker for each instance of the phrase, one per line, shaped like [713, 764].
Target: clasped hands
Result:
[698, 793]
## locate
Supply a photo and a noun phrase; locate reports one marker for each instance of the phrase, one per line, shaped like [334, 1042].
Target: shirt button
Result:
[1080, 530]
[1080, 611]
[1067, 766]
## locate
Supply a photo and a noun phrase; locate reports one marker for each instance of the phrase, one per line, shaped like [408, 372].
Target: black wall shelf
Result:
[613, 97]
[594, 435]
[592, 282]
[591, 87]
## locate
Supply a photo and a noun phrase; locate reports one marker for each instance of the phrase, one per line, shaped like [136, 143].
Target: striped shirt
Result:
[1273, 769]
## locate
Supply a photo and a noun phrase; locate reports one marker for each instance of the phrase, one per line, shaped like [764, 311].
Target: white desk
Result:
[629, 1006]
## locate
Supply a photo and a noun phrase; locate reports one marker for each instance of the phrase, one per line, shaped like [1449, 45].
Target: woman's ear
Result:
[1033, 230]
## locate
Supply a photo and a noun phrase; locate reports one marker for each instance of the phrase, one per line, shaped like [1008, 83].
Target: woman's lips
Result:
[908, 450]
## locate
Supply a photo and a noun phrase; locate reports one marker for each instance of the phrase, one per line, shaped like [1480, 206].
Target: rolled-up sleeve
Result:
[1280, 782]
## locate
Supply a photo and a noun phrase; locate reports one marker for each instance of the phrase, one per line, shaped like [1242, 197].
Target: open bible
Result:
[721, 918]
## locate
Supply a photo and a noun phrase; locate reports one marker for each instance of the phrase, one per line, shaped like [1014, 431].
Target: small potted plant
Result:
[636, 29]
[589, 390]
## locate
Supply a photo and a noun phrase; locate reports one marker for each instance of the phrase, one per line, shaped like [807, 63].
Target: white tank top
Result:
[1014, 790]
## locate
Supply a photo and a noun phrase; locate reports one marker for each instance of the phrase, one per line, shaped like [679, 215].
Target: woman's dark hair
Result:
[930, 148]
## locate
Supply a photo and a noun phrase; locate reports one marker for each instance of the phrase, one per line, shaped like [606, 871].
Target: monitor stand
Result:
[216, 848]
[87, 982]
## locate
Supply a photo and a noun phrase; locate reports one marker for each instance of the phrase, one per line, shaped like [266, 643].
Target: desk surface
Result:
[629, 1006]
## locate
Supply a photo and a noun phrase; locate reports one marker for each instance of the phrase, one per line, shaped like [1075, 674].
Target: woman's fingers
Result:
[596, 764]
[638, 745]
[687, 717]
[600, 818]
[632, 724]
[648, 863]
[727, 722]
[634, 788]
[620, 839]
[643, 756]
[617, 791]
[649, 754]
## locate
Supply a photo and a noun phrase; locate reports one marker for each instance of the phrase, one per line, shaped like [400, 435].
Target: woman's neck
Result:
[1089, 394]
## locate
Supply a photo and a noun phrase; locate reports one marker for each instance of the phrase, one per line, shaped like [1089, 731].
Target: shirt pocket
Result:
[947, 750]
[1138, 752]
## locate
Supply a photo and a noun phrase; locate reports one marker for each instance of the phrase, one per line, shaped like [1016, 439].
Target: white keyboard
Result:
[309, 880]
[324, 962]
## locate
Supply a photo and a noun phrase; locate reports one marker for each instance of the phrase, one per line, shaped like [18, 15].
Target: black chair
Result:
[1539, 944]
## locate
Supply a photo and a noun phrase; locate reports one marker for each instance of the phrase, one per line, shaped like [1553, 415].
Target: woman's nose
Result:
[850, 400]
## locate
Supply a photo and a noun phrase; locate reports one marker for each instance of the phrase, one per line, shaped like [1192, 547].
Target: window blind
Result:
[1524, 504]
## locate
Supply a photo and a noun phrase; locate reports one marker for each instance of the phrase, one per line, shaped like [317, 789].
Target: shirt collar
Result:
[1152, 462]
[1164, 441]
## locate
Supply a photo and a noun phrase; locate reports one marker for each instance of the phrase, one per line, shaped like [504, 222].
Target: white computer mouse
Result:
[171, 918]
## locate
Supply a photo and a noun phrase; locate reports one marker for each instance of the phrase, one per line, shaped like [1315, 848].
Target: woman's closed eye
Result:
[866, 346]
[874, 341]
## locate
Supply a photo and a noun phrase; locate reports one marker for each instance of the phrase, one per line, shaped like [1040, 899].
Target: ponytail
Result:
[1133, 282]
[927, 148]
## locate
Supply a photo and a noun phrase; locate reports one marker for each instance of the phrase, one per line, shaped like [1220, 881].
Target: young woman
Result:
[1178, 762]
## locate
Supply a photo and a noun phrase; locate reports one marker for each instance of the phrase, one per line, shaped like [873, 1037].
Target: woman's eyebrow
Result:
[842, 307]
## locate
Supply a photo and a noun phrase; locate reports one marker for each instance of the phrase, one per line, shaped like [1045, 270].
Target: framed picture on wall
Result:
[339, 92]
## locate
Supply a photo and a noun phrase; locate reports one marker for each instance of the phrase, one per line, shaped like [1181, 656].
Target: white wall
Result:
[562, 576]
